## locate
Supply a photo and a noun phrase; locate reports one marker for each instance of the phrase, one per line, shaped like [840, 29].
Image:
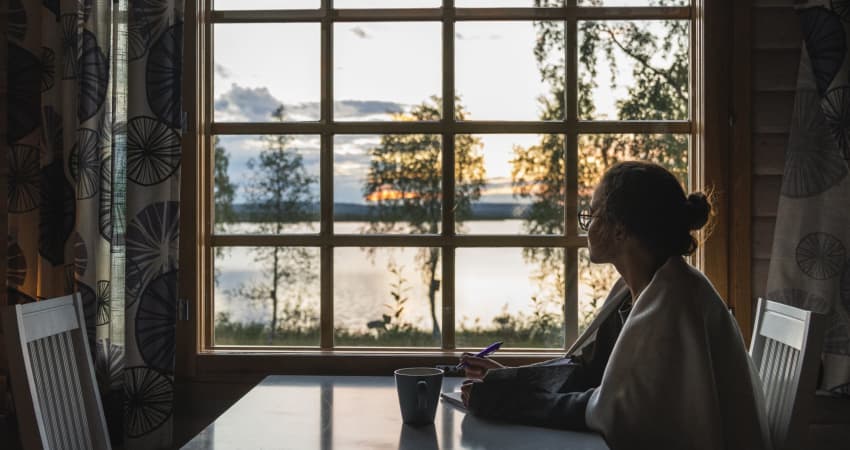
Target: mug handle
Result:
[422, 394]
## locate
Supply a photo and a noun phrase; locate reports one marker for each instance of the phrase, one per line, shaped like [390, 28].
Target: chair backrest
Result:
[786, 349]
[53, 384]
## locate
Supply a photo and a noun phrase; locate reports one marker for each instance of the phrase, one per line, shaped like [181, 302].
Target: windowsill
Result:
[372, 351]
[231, 364]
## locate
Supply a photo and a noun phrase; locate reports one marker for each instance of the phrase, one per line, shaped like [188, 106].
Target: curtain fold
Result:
[94, 129]
[810, 260]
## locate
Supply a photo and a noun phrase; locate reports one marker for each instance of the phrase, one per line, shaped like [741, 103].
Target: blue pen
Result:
[490, 349]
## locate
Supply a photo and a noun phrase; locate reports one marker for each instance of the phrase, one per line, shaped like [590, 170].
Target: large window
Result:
[410, 177]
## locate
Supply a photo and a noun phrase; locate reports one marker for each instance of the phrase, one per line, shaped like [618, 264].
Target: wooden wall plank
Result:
[776, 43]
[4, 185]
[760, 269]
[776, 28]
[766, 195]
[763, 237]
[772, 3]
[740, 169]
[713, 91]
[772, 111]
[775, 70]
[769, 153]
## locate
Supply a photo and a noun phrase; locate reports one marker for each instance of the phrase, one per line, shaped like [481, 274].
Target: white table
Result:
[336, 412]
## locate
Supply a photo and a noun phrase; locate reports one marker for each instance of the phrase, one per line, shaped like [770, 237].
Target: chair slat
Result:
[786, 407]
[48, 406]
[778, 381]
[76, 391]
[60, 415]
[785, 345]
[60, 380]
[62, 410]
[40, 391]
[787, 393]
[772, 360]
[72, 396]
[54, 405]
[762, 363]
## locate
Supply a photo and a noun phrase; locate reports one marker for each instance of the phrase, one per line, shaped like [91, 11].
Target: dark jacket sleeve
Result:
[553, 395]
[549, 409]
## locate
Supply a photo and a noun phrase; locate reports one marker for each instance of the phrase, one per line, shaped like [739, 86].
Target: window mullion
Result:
[571, 280]
[465, 127]
[571, 165]
[448, 174]
[326, 309]
[466, 14]
[205, 110]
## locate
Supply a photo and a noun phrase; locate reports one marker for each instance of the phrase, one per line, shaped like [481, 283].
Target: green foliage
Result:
[392, 322]
[224, 189]
[541, 328]
[659, 91]
[223, 193]
[228, 332]
[299, 325]
[281, 191]
[404, 183]
[519, 331]
[404, 186]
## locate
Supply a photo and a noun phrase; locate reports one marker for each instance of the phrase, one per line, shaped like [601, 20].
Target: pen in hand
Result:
[490, 349]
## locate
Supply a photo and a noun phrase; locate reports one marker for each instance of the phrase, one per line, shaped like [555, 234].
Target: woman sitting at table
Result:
[663, 364]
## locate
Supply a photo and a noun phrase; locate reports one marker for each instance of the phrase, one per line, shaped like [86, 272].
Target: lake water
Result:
[488, 281]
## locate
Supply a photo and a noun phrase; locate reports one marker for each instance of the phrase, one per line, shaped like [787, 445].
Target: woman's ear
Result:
[620, 233]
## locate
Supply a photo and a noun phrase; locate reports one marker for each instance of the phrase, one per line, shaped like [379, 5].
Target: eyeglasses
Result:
[584, 218]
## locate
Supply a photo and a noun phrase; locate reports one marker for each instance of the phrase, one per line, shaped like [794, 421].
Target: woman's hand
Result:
[477, 367]
[466, 390]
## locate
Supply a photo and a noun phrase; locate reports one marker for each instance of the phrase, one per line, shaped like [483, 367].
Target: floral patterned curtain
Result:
[94, 150]
[810, 262]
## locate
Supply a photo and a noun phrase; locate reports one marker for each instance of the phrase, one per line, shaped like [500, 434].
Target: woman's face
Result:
[600, 242]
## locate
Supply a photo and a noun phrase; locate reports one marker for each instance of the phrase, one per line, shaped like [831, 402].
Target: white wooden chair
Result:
[786, 349]
[53, 385]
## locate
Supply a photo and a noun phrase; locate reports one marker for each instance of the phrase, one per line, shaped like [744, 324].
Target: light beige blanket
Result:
[679, 376]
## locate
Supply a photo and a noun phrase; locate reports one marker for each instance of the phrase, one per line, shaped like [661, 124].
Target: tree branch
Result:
[645, 63]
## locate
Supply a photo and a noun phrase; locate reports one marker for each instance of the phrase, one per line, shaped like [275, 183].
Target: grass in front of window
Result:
[519, 330]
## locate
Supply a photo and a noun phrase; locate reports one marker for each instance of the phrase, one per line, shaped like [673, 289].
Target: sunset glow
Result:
[387, 192]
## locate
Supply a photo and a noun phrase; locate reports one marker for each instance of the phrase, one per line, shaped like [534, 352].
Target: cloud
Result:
[351, 160]
[366, 109]
[244, 104]
[478, 37]
[222, 71]
[247, 104]
[346, 110]
[361, 33]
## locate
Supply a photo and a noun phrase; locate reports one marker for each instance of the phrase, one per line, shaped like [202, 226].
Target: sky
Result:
[381, 68]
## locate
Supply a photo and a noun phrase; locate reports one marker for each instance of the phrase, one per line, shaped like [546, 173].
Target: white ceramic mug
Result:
[418, 392]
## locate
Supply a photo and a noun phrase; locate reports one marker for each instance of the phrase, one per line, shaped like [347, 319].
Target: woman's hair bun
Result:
[698, 210]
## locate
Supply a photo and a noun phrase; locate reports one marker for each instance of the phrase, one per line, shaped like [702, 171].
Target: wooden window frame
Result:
[709, 128]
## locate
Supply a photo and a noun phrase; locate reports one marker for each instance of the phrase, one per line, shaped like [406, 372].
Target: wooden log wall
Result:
[776, 44]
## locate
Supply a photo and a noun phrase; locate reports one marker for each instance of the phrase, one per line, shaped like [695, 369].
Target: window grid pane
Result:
[571, 193]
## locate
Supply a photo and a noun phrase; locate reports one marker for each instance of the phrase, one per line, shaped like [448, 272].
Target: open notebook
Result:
[454, 399]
